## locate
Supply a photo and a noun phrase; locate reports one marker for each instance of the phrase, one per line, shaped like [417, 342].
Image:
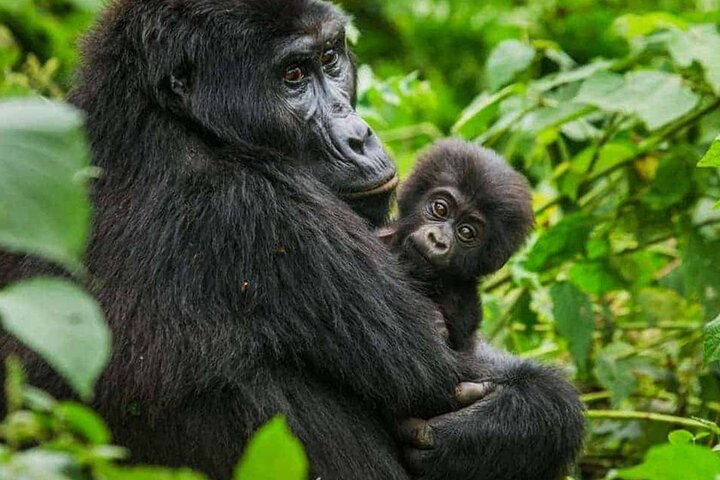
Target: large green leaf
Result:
[676, 462]
[657, 98]
[712, 341]
[44, 206]
[63, 324]
[507, 60]
[273, 453]
[574, 320]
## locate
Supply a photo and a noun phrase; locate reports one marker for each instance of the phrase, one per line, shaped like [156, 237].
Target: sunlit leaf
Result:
[712, 341]
[631, 25]
[680, 437]
[44, 206]
[700, 44]
[676, 462]
[148, 473]
[38, 464]
[507, 60]
[83, 421]
[712, 157]
[273, 453]
[657, 98]
[63, 324]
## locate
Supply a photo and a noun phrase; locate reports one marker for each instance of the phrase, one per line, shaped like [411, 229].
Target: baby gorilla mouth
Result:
[385, 187]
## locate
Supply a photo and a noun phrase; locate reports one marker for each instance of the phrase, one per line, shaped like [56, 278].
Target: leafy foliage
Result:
[607, 107]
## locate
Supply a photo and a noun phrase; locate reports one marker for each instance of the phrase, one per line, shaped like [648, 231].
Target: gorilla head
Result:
[268, 74]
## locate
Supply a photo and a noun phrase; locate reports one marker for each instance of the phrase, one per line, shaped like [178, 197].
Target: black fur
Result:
[237, 285]
[485, 185]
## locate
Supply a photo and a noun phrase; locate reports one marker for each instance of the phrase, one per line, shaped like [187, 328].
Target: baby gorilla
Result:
[462, 213]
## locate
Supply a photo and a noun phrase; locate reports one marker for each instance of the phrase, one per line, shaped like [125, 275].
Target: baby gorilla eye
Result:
[439, 209]
[467, 233]
[329, 57]
[294, 74]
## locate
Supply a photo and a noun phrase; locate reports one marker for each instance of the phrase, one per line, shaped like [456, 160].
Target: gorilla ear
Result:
[179, 85]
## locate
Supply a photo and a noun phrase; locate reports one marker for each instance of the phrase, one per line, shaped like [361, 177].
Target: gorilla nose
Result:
[437, 242]
[357, 135]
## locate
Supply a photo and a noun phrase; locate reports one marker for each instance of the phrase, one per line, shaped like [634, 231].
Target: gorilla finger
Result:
[416, 433]
[416, 461]
[468, 393]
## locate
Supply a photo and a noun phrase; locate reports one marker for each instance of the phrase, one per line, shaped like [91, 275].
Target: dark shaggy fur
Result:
[487, 185]
[237, 286]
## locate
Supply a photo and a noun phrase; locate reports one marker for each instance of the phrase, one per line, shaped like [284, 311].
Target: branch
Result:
[653, 417]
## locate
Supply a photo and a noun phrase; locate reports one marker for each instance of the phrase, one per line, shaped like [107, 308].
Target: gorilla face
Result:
[290, 93]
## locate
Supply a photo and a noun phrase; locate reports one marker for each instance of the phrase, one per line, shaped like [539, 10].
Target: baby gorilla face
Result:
[448, 232]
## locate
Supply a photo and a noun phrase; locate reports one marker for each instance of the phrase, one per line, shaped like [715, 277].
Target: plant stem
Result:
[649, 416]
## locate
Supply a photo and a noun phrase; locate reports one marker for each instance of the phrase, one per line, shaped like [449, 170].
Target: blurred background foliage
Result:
[607, 107]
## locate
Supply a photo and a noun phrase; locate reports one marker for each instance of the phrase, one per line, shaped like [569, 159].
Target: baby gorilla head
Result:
[462, 213]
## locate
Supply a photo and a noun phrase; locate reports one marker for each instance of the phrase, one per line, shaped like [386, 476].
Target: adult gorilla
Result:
[238, 284]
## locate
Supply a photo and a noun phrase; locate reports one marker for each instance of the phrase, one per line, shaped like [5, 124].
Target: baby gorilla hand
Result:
[424, 440]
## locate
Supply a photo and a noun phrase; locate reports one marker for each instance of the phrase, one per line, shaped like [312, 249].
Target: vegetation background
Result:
[607, 106]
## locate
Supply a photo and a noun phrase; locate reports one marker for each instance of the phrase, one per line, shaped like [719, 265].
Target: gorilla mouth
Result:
[385, 187]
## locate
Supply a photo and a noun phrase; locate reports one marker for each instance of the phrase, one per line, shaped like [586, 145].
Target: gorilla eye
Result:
[329, 57]
[439, 208]
[294, 74]
[467, 233]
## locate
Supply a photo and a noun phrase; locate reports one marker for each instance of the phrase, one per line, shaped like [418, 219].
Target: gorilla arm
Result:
[518, 421]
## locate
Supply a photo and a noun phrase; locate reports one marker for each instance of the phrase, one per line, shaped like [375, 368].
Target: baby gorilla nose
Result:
[437, 242]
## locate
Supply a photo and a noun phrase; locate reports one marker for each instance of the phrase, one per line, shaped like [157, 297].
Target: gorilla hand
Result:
[524, 424]
[422, 437]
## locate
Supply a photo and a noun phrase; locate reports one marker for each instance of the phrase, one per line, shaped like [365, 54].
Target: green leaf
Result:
[632, 25]
[560, 243]
[712, 341]
[657, 98]
[273, 453]
[581, 73]
[594, 278]
[61, 323]
[672, 182]
[39, 464]
[507, 60]
[712, 157]
[614, 370]
[44, 206]
[89, 5]
[676, 462]
[701, 274]
[681, 437]
[148, 473]
[476, 117]
[83, 421]
[574, 320]
[700, 44]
